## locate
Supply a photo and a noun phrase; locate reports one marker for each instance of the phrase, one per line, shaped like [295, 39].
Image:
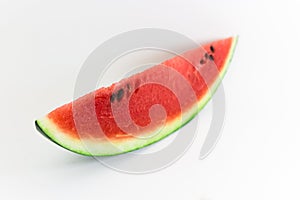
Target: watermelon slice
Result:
[126, 116]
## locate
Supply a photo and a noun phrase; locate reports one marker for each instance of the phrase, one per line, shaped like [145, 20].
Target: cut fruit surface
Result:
[141, 109]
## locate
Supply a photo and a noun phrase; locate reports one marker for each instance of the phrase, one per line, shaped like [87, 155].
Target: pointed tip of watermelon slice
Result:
[46, 135]
[40, 130]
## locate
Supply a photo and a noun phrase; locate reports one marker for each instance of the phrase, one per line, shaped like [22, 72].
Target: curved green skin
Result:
[45, 133]
[195, 110]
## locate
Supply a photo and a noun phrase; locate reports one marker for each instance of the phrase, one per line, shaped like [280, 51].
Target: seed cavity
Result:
[211, 57]
[136, 90]
[120, 94]
[212, 49]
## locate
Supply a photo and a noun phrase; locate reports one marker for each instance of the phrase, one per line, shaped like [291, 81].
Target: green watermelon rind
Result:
[48, 129]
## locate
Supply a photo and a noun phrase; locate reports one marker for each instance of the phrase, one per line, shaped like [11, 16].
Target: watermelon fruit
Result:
[141, 109]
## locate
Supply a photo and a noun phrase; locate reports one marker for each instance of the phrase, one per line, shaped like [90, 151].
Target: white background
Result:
[43, 45]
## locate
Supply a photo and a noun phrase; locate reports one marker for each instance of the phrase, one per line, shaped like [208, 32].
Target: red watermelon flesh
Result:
[141, 109]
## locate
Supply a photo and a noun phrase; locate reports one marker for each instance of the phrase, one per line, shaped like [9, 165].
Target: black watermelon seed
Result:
[206, 55]
[202, 61]
[211, 57]
[212, 49]
[112, 98]
[120, 94]
[128, 86]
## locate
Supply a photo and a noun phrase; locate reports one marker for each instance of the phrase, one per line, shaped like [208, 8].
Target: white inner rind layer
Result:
[93, 147]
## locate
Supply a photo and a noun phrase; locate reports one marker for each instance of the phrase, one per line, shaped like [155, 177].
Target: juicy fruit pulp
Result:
[126, 115]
